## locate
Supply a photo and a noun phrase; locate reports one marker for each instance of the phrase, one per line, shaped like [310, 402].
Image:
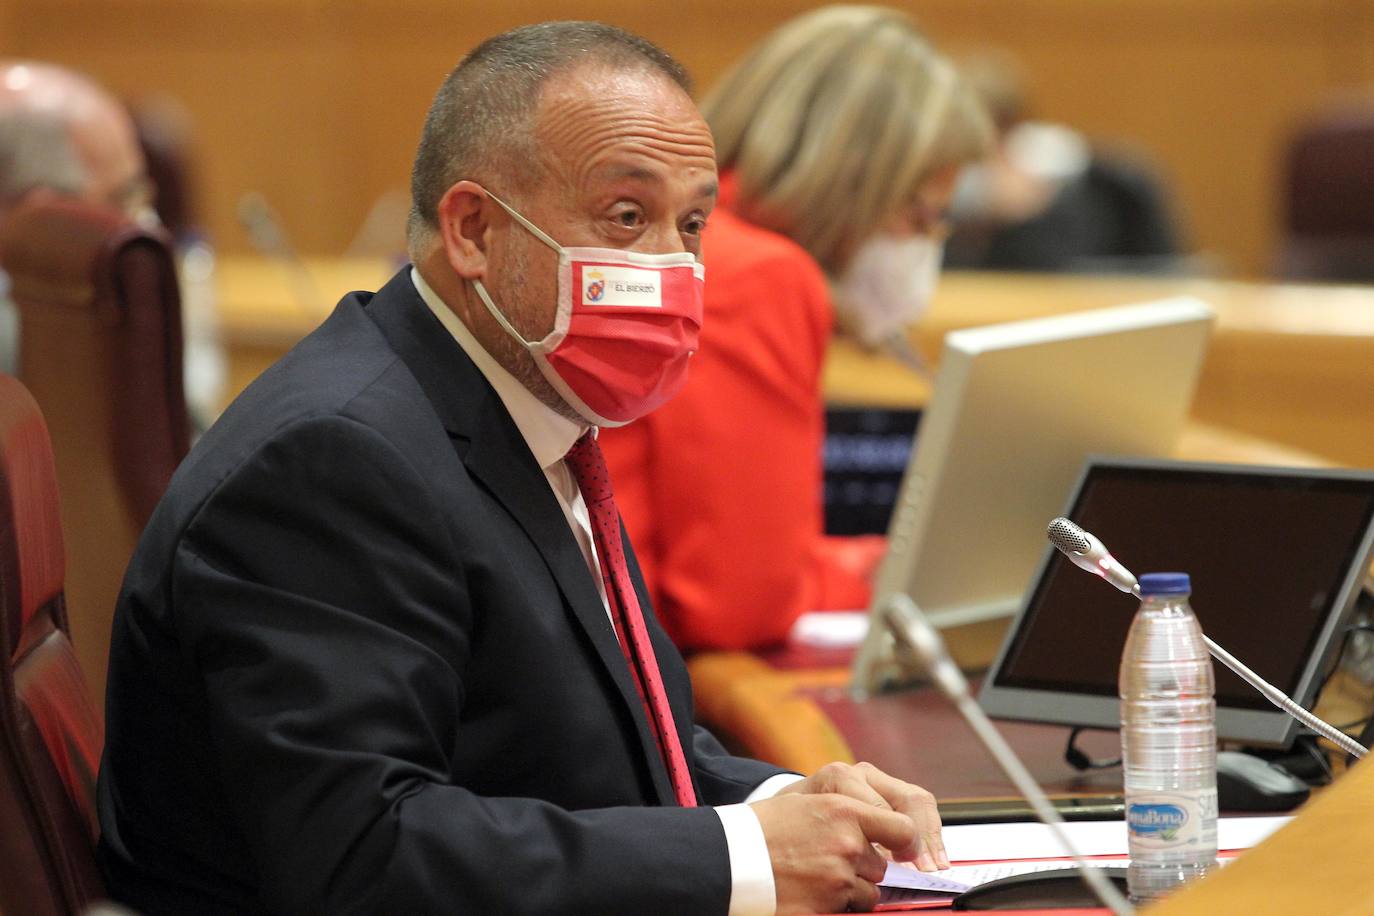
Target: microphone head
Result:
[1087, 552]
[1067, 537]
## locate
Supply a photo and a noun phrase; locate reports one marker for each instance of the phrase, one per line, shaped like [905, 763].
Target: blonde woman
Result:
[839, 139]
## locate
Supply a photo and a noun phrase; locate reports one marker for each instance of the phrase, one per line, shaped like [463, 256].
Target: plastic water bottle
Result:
[1168, 741]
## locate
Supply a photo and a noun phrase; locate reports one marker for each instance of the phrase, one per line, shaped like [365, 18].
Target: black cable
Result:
[1322, 761]
[1350, 630]
[1079, 760]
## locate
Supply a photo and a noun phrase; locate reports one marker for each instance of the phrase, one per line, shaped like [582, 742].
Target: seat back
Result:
[50, 734]
[1329, 198]
[100, 349]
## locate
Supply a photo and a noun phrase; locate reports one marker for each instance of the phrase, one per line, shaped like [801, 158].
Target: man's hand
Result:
[821, 832]
[821, 847]
[871, 785]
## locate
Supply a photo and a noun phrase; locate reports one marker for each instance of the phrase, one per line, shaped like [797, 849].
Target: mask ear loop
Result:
[496, 313]
[534, 230]
[482, 288]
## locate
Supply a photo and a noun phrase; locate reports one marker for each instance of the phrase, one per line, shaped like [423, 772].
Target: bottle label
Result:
[1168, 820]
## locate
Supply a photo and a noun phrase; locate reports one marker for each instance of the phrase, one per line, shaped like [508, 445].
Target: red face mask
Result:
[626, 327]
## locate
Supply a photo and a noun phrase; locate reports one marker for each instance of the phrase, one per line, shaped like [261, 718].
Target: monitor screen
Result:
[866, 453]
[1015, 409]
[1276, 557]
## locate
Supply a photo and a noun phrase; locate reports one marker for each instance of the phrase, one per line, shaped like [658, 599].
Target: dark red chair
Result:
[100, 348]
[1328, 231]
[50, 734]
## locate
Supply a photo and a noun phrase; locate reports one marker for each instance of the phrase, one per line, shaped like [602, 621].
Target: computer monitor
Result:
[1277, 558]
[1015, 410]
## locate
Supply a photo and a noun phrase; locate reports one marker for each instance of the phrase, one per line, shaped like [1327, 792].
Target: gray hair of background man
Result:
[482, 118]
[36, 151]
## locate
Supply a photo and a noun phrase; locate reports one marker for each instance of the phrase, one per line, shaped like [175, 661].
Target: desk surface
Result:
[1318, 863]
[1290, 364]
[261, 298]
[918, 736]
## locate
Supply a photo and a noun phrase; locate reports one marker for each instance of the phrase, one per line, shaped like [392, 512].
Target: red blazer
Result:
[720, 489]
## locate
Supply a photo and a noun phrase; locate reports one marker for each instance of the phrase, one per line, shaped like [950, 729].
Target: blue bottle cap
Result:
[1173, 583]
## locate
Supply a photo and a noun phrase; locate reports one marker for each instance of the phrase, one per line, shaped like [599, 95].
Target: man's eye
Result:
[628, 218]
[694, 226]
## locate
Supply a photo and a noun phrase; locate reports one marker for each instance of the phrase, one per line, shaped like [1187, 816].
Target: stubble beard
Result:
[507, 295]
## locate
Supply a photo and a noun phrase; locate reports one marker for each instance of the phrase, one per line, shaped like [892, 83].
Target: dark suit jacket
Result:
[359, 664]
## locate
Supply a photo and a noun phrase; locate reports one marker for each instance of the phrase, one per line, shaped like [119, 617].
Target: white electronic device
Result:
[1015, 411]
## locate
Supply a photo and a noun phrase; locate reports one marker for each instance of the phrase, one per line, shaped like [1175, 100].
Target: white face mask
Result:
[888, 285]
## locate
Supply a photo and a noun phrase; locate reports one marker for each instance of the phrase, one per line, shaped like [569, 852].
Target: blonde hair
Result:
[835, 120]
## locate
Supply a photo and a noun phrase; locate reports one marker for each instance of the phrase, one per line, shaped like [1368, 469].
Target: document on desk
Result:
[996, 842]
[912, 888]
[986, 852]
[915, 889]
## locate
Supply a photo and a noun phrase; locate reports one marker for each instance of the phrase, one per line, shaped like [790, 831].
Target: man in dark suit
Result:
[374, 652]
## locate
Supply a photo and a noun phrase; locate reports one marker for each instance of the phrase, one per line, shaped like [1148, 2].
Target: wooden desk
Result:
[1290, 364]
[1318, 863]
[266, 306]
[919, 736]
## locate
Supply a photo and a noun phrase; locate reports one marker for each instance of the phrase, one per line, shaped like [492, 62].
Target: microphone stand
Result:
[1088, 553]
[914, 631]
[1280, 699]
[269, 237]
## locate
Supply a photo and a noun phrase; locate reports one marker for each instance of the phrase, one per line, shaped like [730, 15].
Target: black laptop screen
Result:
[1269, 552]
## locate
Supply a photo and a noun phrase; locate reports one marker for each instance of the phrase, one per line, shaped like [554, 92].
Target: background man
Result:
[61, 132]
[377, 650]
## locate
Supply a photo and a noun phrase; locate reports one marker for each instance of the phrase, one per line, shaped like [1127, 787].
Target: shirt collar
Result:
[547, 432]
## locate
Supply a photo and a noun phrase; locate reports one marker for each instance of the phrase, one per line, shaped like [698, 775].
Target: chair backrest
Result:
[100, 349]
[50, 734]
[1328, 231]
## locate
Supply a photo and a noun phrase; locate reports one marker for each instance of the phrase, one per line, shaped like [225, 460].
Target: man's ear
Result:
[463, 227]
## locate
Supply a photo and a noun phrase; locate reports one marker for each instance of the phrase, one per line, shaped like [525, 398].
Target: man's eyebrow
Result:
[708, 188]
[633, 172]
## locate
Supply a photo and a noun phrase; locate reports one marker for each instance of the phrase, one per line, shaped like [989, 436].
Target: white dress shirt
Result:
[549, 435]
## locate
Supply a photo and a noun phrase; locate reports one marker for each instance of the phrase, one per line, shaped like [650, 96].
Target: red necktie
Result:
[589, 468]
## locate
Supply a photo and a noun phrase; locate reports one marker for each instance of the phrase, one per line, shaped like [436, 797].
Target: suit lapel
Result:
[495, 454]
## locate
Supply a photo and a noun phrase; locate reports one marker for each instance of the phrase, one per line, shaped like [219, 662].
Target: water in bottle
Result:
[1168, 741]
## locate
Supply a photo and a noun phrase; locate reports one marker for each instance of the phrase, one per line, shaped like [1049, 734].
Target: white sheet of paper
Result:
[901, 881]
[830, 629]
[908, 878]
[974, 875]
[976, 842]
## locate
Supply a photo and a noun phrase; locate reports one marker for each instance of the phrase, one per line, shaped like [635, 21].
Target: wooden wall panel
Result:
[318, 103]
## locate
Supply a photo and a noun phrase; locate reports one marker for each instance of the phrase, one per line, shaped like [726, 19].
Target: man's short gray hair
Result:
[482, 117]
[36, 151]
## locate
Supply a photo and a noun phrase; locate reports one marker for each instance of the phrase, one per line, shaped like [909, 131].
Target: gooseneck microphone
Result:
[913, 630]
[268, 235]
[1087, 552]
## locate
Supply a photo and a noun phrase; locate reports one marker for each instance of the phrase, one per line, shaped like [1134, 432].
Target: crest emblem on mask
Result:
[595, 286]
